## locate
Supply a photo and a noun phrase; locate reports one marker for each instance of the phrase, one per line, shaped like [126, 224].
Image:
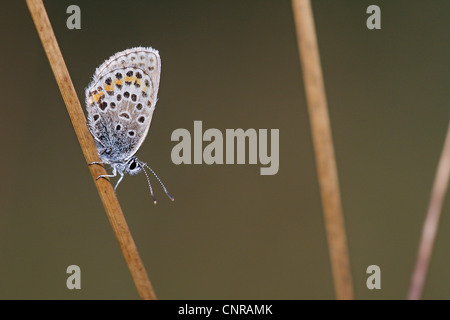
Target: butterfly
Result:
[120, 101]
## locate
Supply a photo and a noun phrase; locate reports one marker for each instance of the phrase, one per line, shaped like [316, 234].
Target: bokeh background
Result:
[231, 233]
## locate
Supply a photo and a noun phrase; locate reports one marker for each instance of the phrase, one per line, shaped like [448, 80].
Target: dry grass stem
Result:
[431, 223]
[323, 147]
[105, 190]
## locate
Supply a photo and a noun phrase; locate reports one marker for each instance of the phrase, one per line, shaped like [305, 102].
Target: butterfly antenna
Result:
[159, 180]
[150, 185]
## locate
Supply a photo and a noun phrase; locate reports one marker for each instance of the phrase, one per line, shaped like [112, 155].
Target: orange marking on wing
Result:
[130, 79]
[98, 96]
[109, 87]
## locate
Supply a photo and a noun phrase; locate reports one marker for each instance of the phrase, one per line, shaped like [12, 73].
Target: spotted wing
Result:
[120, 101]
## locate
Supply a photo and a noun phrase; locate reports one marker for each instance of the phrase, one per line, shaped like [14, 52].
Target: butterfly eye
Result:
[133, 165]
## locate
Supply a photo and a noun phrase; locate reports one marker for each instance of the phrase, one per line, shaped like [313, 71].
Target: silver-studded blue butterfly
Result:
[120, 101]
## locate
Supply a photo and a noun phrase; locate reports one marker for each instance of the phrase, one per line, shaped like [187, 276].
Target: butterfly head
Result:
[133, 166]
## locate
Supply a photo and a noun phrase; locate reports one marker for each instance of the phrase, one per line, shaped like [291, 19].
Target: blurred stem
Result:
[431, 224]
[105, 190]
[323, 146]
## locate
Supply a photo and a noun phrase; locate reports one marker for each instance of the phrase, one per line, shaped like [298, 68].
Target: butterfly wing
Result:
[120, 102]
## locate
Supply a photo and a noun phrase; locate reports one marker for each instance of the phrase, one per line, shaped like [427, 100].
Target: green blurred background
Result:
[231, 233]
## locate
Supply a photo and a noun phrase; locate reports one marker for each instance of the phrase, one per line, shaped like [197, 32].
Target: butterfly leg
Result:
[114, 173]
[120, 179]
[96, 162]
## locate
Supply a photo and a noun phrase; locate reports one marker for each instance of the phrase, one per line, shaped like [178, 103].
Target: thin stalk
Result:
[431, 223]
[323, 147]
[105, 190]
